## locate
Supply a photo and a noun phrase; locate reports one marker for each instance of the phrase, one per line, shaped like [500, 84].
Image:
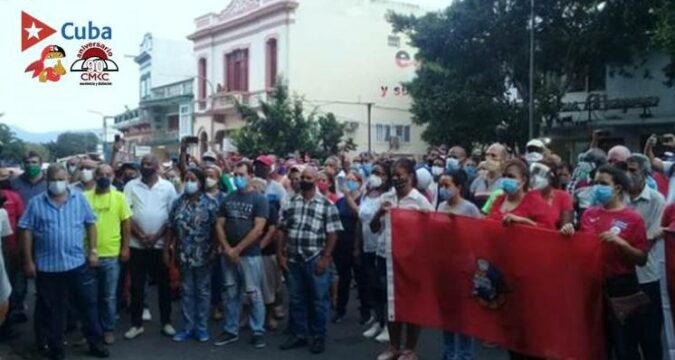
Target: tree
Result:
[72, 143]
[664, 36]
[13, 148]
[473, 82]
[281, 127]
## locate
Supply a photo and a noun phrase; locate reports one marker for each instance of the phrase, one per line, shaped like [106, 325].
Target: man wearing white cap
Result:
[534, 151]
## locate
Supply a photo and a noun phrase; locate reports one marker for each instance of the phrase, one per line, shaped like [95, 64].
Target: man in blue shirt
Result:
[54, 225]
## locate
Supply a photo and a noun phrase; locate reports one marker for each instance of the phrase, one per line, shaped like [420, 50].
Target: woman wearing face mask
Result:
[323, 183]
[623, 235]
[404, 196]
[517, 205]
[545, 180]
[450, 189]
[343, 255]
[373, 297]
[192, 218]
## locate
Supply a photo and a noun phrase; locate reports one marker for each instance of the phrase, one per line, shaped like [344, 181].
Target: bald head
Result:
[104, 170]
[457, 152]
[618, 154]
[496, 152]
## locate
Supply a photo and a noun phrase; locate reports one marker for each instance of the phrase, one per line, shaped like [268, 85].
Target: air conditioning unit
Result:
[394, 142]
[351, 126]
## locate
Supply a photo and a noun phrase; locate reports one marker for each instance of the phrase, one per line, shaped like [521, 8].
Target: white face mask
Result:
[436, 170]
[57, 187]
[191, 187]
[210, 183]
[87, 175]
[72, 169]
[538, 182]
[534, 157]
[374, 181]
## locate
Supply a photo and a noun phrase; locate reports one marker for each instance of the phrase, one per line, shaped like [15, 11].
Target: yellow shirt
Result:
[110, 209]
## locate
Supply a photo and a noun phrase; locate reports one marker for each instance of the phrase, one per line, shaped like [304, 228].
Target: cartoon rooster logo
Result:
[45, 67]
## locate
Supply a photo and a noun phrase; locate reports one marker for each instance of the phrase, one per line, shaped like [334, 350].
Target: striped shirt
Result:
[58, 231]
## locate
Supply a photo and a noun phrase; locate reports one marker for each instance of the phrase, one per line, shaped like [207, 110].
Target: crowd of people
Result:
[232, 236]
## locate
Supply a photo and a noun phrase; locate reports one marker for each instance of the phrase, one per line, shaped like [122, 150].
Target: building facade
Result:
[339, 56]
[629, 109]
[165, 107]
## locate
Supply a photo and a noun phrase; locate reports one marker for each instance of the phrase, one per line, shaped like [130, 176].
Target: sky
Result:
[66, 105]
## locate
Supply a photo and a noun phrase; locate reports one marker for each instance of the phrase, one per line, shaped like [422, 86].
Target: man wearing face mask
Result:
[29, 184]
[534, 151]
[55, 255]
[113, 228]
[72, 165]
[310, 224]
[239, 228]
[128, 171]
[263, 166]
[87, 181]
[650, 204]
[151, 199]
[456, 158]
[208, 159]
[483, 186]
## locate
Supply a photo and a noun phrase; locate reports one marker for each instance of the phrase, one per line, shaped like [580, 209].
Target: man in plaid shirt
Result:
[310, 224]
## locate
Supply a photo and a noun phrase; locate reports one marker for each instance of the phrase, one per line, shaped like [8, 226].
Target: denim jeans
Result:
[107, 275]
[310, 299]
[457, 346]
[244, 279]
[54, 289]
[196, 292]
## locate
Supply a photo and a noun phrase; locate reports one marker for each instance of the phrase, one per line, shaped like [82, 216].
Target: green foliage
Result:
[474, 73]
[282, 127]
[13, 148]
[72, 143]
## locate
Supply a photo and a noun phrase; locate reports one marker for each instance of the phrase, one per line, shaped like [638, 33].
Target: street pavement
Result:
[344, 342]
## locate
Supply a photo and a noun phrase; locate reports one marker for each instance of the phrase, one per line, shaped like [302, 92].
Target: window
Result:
[145, 86]
[201, 78]
[185, 123]
[172, 122]
[271, 63]
[383, 133]
[236, 70]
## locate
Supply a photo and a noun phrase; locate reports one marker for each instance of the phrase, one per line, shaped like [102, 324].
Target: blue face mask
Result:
[602, 194]
[240, 182]
[452, 164]
[509, 186]
[470, 171]
[352, 185]
[367, 168]
[444, 194]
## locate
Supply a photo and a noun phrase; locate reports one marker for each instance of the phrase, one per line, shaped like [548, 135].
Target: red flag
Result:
[33, 31]
[526, 289]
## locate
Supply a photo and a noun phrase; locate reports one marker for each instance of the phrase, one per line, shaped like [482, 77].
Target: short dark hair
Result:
[522, 168]
[619, 177]
[409, 166]
[32, 154]
[553, 174]
[247, 164]
[459, 177]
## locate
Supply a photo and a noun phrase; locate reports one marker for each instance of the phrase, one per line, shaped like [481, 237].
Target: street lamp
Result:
[105, 126]
[531, 104]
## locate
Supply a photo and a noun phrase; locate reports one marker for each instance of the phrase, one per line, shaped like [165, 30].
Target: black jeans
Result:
[380, 290]
[141, 264]
[366, 279]
[650, 323]
[54, 290]
[622, 338]
[346, 268]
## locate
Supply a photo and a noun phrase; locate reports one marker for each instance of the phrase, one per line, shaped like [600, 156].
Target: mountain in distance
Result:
[45, 137]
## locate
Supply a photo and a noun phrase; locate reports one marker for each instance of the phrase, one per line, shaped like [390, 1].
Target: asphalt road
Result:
[344, 342]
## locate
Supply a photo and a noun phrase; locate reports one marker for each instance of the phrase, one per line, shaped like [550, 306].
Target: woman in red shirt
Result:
[517, 205]
[624, 246]
[545, 181]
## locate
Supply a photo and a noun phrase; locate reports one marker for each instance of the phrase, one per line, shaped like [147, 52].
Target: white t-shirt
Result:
[5, 230]
[413, 201]
[150, 207]
[367, 209]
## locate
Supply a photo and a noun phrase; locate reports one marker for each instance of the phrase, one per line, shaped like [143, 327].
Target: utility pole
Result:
[531, 95]
[370, 113]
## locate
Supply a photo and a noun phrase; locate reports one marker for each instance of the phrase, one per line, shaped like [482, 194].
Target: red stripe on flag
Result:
[534, 292]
